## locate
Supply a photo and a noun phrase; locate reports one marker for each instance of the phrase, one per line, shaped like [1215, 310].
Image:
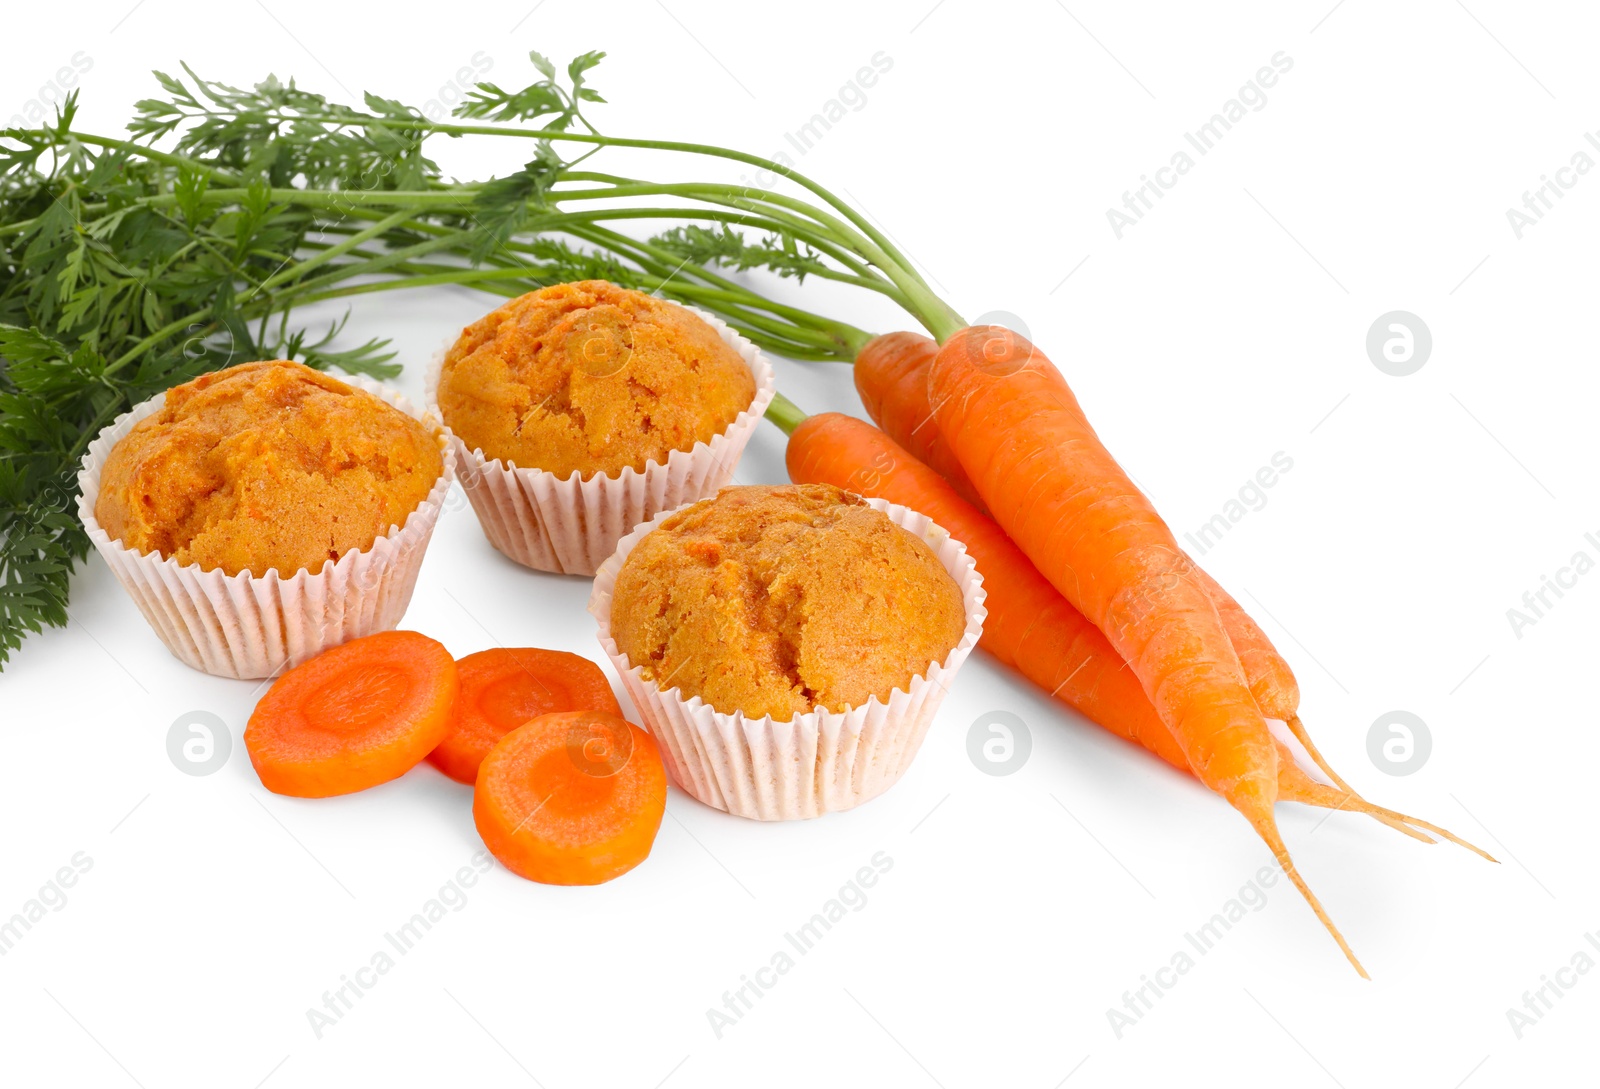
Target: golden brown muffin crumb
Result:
[265, 465]
[781, 600]
[590, 378]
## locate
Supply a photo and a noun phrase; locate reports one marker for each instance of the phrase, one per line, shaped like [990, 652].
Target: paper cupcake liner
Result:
[816, 763]
[243, 626]
[570, 526]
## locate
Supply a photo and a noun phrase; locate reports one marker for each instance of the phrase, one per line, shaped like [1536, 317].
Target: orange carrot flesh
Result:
[504, 687]
[1025, 443]
[572, 798]
[354, 716]
[892, 378]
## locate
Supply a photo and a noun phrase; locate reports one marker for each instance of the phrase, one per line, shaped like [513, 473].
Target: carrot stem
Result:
[785, 413]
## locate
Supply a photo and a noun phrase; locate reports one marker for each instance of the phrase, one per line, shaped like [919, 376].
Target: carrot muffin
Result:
[266, 465]
[590, 378]
[783, 600]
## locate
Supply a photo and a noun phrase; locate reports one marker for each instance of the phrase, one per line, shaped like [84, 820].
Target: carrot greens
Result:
[130, 264]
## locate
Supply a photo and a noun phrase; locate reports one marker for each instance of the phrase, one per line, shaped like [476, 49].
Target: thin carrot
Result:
[352, 717]
[1024, 441]
[572, 798]
[1030, 627]
[504, 687]
[891, 373]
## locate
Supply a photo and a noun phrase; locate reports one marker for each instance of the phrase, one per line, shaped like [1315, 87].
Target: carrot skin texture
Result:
[1272, 682]
[891, 374]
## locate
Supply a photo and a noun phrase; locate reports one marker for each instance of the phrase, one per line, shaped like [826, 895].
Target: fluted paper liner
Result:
[245, 626]
[569, 526]
[816, 763]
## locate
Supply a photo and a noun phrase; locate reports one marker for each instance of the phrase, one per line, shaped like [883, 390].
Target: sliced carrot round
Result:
[505, 687]
[572, 798]
[352, 717]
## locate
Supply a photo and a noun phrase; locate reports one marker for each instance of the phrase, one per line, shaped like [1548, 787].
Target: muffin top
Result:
[781, 600]
[265, 465]
[590, 378]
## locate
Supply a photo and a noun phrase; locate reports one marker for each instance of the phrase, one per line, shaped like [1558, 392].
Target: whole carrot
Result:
[1022, 438]
[891, 374]
[1030, 627]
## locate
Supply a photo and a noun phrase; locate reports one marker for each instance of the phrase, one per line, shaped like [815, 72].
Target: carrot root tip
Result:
[1266, 827]
[1298, 729]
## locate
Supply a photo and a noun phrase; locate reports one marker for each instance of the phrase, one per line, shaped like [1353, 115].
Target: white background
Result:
[1226, 326]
